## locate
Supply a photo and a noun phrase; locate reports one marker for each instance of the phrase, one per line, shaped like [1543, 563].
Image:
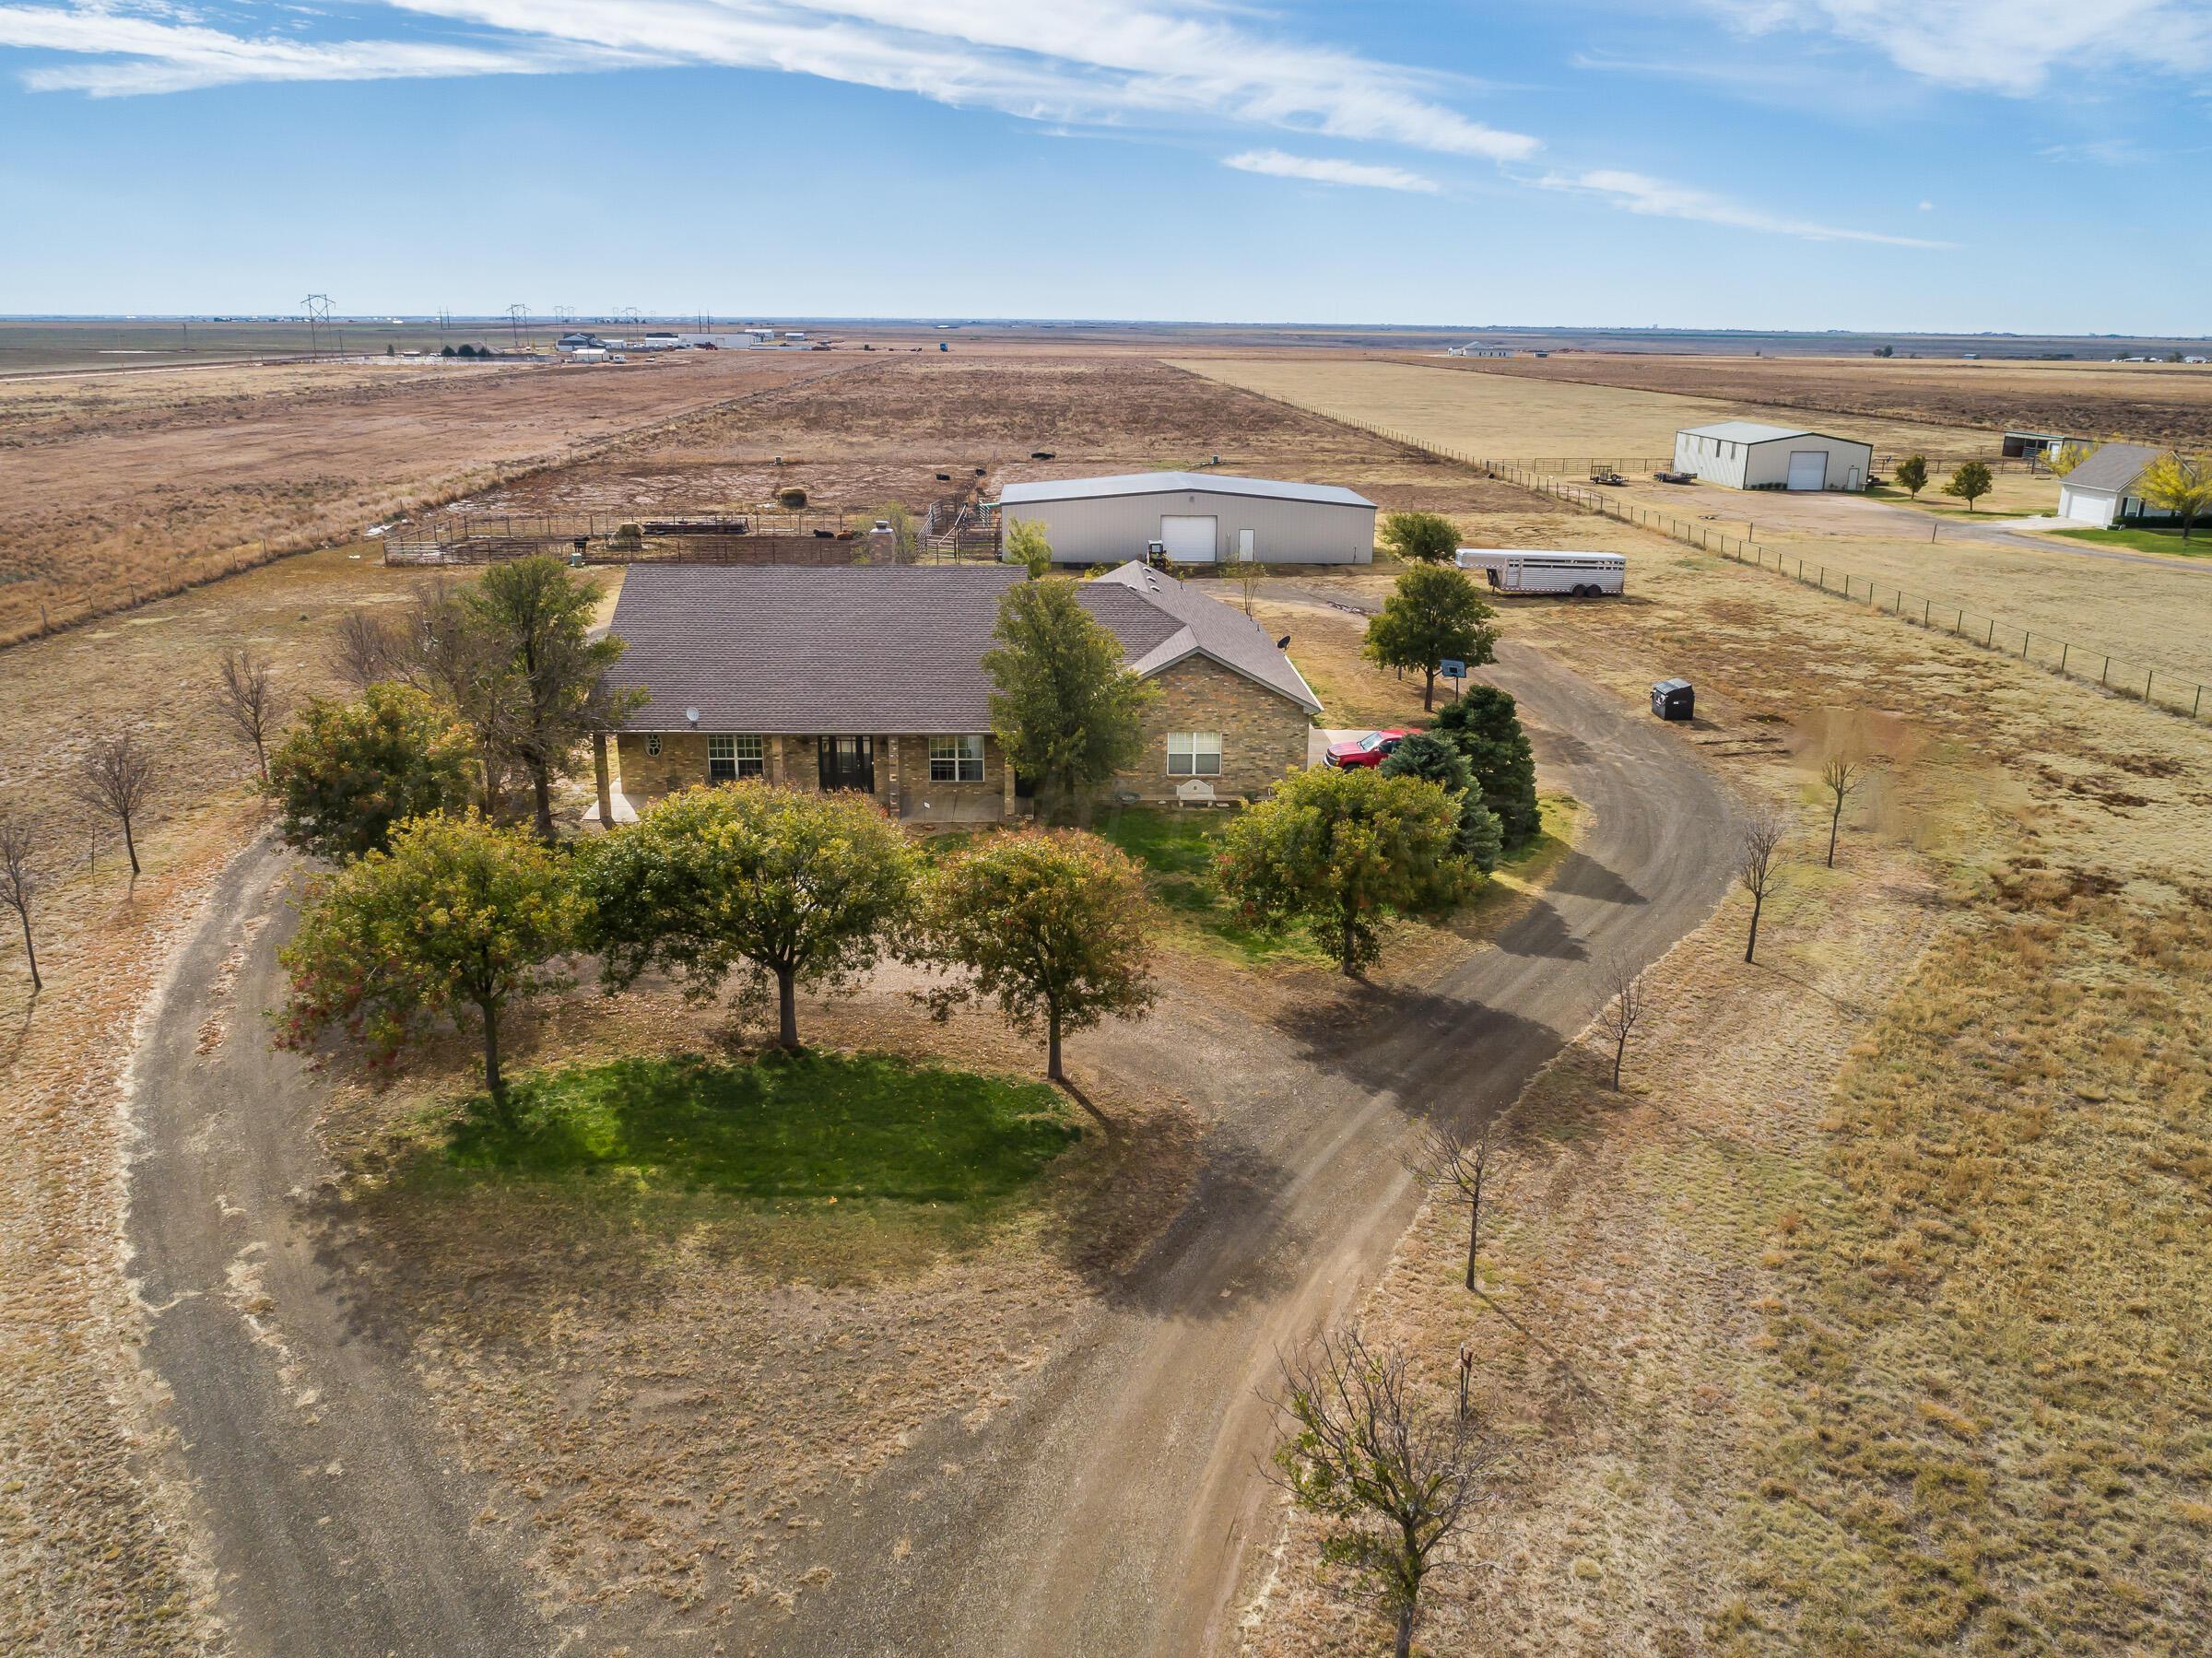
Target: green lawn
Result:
[1177, 849]
[819, 1126]
[2198, 545]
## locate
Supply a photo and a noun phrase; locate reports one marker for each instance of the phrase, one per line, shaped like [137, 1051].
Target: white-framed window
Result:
[653, 743]
[1193, 754]
[956, 759]
[730, 757]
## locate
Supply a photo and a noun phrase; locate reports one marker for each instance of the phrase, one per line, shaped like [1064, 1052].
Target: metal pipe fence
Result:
[2160, 687]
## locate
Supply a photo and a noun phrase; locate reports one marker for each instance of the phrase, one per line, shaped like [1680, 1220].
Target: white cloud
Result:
[1637, 193]
[1928, 207]
[2005, 46]
[1323, 169]
[1091, 62]
[140, 54]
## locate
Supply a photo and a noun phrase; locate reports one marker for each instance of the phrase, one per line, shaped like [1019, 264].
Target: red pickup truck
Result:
[1370, 750]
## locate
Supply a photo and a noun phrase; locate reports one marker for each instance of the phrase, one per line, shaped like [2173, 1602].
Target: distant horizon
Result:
[954, 321]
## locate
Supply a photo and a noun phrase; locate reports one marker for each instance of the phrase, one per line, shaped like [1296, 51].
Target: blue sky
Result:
[1881, 164]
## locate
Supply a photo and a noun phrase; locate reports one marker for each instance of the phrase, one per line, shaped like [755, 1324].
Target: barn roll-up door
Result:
[1189, 539]
[1808, 469]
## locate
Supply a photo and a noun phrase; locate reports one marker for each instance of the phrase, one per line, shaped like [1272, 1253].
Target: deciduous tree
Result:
[1064, 707]
[1342, 850]
[120, 777]
[1912, 475]
[1841, 775]
[1485, 724]
[1027, 546]
[1970, 483]
[805, 890]
[1421, 537]
[534, 619]
[246, 700]
[21, 880]
[1758, 860]
[1463, 1165]
[1389, 1478]
[1055, 925]
[1622, 983]
[2180, 484]
[348, 771]
[458, 920]
[1433, 613]
[2067, 456]
[366, 650]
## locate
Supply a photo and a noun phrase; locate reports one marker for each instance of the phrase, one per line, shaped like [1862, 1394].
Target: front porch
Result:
[927, 779]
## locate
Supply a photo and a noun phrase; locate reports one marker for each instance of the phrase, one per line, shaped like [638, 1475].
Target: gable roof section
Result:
[1185, 623]
[792, 651]
[1178, 483]
[2113, 468]
[798, 651]
[1754, 432]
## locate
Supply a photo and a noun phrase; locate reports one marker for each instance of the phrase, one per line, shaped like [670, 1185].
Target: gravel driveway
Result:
[1111, 1507]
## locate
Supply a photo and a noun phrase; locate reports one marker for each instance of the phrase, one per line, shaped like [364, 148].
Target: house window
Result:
[1193, 754]
[729, 759]
[956, 759]
[653, 743]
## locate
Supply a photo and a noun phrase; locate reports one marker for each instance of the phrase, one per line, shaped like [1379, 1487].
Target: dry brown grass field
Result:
[2152, 402]
[119, 486]
[885, 433]
[1873, 1312]
[1509, 418]
[2147, 616]
[1887, 1273]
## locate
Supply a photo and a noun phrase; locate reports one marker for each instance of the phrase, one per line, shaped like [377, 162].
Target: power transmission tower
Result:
[516, 315]
[317, 307]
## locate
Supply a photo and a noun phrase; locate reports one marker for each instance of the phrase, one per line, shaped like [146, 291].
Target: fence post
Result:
[1993, 634]
[2062, 649]
[2105, 672]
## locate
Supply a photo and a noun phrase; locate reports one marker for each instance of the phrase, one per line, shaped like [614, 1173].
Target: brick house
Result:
[871, 677]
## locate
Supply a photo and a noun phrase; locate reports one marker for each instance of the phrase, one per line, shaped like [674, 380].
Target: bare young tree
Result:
[1842, 776]
[1458, 1164]
[119, 777]
[1391, 1478]
[1758, 860]
[366, 650]
[1623, 984]
[246, 698]
[19, 883]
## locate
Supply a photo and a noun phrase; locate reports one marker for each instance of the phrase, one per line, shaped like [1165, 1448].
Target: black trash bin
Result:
[1673, 700]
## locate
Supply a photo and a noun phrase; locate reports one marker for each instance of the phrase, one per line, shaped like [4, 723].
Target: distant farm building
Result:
[2101, 491]
[2020, 445]
[1197, 518]
[1476, 350]
[1744, 455]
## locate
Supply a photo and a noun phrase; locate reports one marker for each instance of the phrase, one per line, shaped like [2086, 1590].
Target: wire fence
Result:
[2160, 687]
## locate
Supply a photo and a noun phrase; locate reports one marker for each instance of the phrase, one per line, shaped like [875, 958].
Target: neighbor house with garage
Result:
[871, 678]
[1745, 454]
[1195, 517]
[2101, 490]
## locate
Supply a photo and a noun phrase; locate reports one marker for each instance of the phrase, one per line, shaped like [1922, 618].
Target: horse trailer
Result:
[1547, 570]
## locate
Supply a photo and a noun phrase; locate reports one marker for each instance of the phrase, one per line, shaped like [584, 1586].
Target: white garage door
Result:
[2085, 508]
[1188, 540]
[1808, 469]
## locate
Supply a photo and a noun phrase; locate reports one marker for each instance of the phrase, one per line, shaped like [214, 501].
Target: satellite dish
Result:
[691, 714]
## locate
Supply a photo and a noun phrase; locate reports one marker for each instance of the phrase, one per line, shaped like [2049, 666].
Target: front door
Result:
[848, 763]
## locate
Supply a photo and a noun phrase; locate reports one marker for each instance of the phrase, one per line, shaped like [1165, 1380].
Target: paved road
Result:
[1113, 1509]
[336, 1525]
[1108, 1509]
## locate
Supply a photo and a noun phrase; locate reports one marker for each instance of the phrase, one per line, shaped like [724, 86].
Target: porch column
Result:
[775, 759]
[1005, 779]
[892, 790]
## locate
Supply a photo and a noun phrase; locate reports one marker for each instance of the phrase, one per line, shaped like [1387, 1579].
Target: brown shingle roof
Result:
[795, 650]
